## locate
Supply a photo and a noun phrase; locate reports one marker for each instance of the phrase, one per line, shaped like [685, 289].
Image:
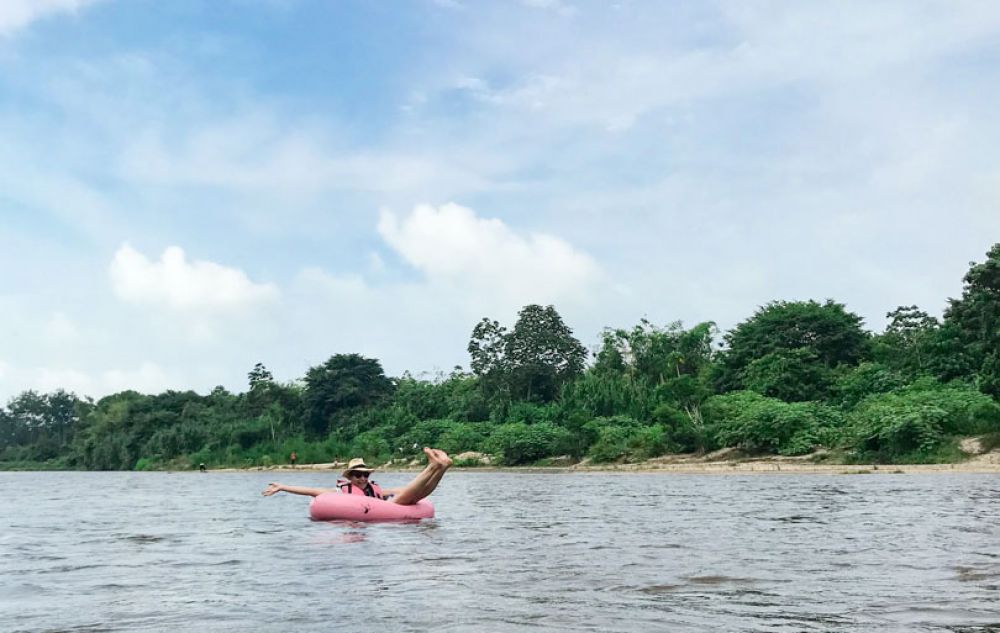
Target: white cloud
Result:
[252, 152]
[552, 5]
[613, 82]
[17, 14]
[451, 245]
[175, 283]
[470, 267]
[59, 329]
[146, 378]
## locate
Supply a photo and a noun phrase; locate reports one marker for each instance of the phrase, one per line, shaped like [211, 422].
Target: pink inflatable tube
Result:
[336, 506]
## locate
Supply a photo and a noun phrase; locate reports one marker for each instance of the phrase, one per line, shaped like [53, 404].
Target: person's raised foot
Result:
[437, 456]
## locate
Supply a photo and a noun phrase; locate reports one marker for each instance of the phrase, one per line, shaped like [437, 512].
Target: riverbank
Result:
[709, 464]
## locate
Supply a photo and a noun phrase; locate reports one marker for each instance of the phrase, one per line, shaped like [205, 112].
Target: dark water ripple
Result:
[96, 552]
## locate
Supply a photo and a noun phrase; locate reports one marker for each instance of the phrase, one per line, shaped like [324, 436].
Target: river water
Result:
[89, 552]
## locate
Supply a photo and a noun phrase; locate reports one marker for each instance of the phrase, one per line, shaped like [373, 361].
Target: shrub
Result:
[681, 434]
[890, 428]
[792, 375]
[760, 424]
[372, 445]
[426, 433]
[520, 443]
[612, 443]
[459, 437]
[580, 431]
[144, 463]
[918, 418]
[530, 412]
[613, 437]
[602, 394]
[855, 384]
[650, 441]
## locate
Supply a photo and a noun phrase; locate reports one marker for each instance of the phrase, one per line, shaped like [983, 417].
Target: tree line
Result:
[795, 378]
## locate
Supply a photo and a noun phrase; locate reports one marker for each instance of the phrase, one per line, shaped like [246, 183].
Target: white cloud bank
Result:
[148, 377]
[452, 246]
[175, 283]
[17, 14]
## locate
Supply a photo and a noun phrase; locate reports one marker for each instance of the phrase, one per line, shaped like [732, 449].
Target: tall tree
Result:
[542, 354]
[342, 383]
[44, 423]
[261, 396]
[674, 361]
[827, 332]
[532, 361]
[976, 319]
[259, 376]
[907, 343]
[487, 349]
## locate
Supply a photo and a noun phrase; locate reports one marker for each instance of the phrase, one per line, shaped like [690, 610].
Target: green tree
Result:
[673, 363]
[487, 349]
[341, 384]
[907, 345]
[277, 405]
[464, 398]
[853, 385]
[827, 330]
[542, 354]
[259, 375]
[41, 425]
[976, 319]
[532, 361]
[792, 375]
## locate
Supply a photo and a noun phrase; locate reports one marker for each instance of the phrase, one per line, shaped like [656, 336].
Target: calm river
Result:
[89, 552]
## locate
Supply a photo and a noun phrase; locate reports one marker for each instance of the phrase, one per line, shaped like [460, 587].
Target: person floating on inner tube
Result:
[358, 482]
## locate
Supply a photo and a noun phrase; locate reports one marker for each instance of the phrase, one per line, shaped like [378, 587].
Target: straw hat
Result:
[357, 465]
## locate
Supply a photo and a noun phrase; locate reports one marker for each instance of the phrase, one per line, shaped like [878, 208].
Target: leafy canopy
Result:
[976, 319]
[532, 361]
[827, 333]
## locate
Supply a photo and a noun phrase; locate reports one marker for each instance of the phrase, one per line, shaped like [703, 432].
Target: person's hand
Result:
[271, 489]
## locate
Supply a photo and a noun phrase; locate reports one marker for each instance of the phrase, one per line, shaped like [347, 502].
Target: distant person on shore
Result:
[292, 458]
[358, 481]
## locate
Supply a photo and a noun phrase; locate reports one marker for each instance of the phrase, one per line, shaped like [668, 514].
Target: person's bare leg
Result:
[425, 482]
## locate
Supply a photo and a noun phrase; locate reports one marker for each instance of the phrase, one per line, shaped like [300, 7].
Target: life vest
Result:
[373, 490]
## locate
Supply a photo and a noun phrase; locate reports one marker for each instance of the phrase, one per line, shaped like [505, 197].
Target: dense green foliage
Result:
[974, 322]
[791, 347]
[792, 378]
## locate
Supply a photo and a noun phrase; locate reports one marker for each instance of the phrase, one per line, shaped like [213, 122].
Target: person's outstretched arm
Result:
[295, 490]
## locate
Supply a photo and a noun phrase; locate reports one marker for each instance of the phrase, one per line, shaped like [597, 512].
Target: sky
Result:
[191, 187]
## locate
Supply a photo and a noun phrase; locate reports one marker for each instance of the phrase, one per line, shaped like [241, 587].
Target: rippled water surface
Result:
[507, 552]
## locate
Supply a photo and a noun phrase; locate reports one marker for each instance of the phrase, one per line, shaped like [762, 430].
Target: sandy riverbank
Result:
[988, 463]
